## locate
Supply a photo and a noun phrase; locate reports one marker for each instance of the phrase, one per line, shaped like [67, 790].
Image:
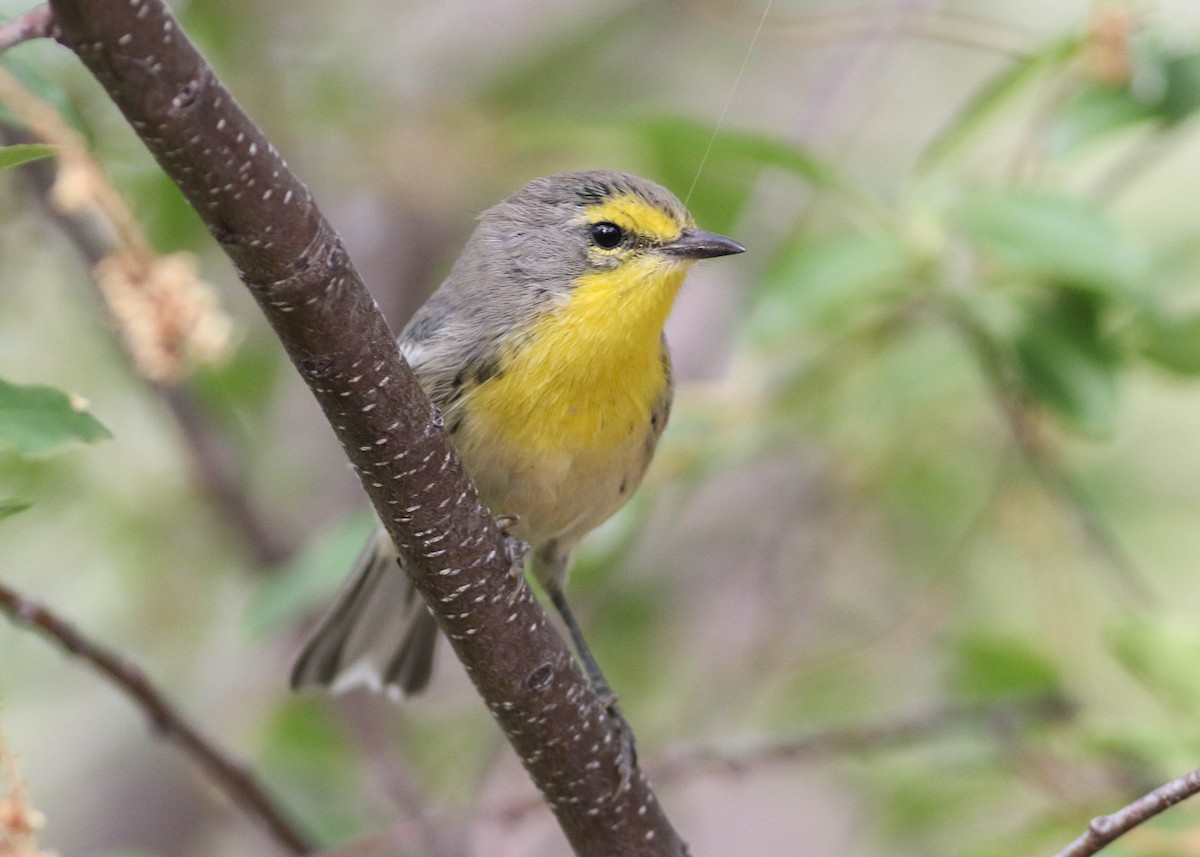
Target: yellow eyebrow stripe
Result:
[635, 215]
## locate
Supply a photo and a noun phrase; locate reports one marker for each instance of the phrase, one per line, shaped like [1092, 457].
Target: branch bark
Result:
[297, 269]
[1105, 829]
[235, 781]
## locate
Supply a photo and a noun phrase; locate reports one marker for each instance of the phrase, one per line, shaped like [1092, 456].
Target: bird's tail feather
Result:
[377, 634]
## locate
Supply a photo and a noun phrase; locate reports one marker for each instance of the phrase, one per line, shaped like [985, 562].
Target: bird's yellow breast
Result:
[586, 375]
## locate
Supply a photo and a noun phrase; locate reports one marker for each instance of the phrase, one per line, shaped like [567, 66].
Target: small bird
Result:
[544, 351]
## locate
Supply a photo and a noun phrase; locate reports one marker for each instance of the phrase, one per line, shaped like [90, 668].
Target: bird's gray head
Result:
[560, 227]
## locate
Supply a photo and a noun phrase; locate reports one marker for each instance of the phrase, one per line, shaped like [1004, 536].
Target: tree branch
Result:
[233, 779]
[1106, 828]
[932, 724]
[297, 269]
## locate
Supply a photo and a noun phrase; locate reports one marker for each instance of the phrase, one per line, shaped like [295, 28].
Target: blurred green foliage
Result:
[954, 389]
[14, 156]
[39, 420]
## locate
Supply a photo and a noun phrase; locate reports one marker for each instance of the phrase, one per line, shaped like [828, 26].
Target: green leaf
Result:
[675, 136]
[1181, 95]
[1066, 365]
[304, 747]
[1162, 654]
[8, 508]
[38, 421]
[23, 153]
[1095, 112]
[997, 94]
[1053, 236]
[991, 667]
[1171, 342]
[824, 281]
[717, 171]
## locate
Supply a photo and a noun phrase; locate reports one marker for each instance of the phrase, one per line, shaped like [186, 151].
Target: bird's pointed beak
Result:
[698, 244]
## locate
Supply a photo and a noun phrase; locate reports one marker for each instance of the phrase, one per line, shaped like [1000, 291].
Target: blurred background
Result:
[914, 572]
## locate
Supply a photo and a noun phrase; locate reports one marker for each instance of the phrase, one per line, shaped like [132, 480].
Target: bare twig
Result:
[214, 462]
[35, 24]
[168, 318]
[432, 834]
[1105, 829]
[222, 478]
[296, 267]
[233, 779]
[685, 761]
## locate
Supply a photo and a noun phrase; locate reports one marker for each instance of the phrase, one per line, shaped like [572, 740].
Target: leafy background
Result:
[930, 490]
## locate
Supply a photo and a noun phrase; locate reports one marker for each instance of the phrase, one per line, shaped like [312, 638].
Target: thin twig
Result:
[232, 778]
[222, 477]
[35, 24]
[214, 463]
[685, 761]
[433, 834]
[1105, 829]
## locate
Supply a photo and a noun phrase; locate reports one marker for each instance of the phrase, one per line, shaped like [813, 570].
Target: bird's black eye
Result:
[607, 235]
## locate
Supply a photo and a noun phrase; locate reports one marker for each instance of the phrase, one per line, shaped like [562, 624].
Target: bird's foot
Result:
[627, 744]
[516, 549]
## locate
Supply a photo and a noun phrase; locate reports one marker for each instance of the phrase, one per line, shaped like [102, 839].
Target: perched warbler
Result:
[544, 350]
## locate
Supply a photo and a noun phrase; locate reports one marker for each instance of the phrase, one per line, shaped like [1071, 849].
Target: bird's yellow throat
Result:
[586, 375]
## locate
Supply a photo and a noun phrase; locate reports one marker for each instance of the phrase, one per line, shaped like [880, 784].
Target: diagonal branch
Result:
[237, 783]
[933, 724]
[1105, 829]
[297, 269]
